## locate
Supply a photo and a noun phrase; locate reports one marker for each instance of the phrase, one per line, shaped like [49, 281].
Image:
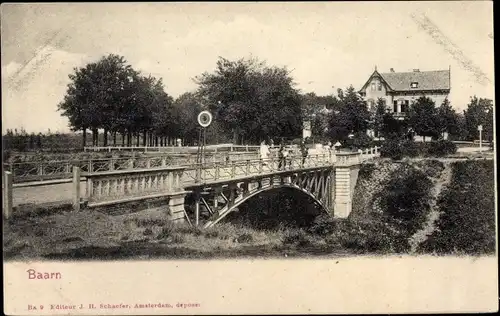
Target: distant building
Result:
[400, 89]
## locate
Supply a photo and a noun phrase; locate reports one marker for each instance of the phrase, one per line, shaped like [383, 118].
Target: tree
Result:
[423, 118]
[316, 109]
[479, 112]
[252, 101]
[349, 116]
[378, 117]
[393, 128]
[93, 94]
[187, 107]
[447, 119]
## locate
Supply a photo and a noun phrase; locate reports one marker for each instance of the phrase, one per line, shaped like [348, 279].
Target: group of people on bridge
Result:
[286, 154]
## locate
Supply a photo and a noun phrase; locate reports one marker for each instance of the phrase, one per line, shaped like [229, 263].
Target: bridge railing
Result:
[235, 169]
[173, 149]
[124, 186]
[61, 169]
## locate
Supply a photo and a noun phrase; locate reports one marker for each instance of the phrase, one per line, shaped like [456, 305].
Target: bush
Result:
[406, 200]
[244, 238]
[298, 237]
[392, 149]
[360, 141]
[373, 236]
[441, 148]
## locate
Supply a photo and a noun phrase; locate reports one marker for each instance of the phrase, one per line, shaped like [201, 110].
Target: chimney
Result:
[416, 70]
[392, 69]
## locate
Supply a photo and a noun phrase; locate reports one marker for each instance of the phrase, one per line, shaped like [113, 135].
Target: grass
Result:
[467, 223]
[394, 204]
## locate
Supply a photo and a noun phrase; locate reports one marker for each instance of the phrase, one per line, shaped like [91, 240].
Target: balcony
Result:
[399, 115]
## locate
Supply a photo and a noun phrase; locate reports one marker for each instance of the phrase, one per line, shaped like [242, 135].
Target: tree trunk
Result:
[235, 136]
[84, 137]
[138, 139]
[95, 137]
[114, 138]
[105, 137]
[144, 139]
[123, 139]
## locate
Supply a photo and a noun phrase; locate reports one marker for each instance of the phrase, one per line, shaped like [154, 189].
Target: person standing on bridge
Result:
[304, 152]
[264, 152]
[281, 157]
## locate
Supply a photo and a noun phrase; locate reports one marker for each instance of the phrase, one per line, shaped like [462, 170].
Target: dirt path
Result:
[433, 216]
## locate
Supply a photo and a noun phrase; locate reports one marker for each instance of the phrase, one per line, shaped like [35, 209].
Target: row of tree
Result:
[250, 102]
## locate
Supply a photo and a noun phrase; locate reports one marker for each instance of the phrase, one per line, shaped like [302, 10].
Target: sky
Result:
[326, 45]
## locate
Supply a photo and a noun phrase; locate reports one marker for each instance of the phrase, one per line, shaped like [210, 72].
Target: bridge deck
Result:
[211, 175]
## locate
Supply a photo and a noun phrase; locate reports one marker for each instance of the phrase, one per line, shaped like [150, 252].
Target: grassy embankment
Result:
[393, 203]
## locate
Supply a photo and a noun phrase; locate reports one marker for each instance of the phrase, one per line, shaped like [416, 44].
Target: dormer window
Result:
[414, 85]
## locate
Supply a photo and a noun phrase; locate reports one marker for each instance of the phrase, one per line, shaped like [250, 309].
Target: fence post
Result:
[163, 161]
[246, 147]
[76, 188]
[7, 194]
[233, 169]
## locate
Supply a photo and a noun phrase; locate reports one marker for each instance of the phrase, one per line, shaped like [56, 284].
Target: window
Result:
[405, 106]
[414, 85]
[371, 103]
[373, 86]
[379, 86]
[395, 107]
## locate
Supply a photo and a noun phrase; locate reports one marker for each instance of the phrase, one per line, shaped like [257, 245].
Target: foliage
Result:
[441, 148]
[253, 101]
[398, 147]
[378, 116]
[405, 200]
[110, 95]
[447, 119]
[423, 118]
[359, 141]
[479, 112]
[467, 222]
[349, 116]
[316, 109]
[391, 127]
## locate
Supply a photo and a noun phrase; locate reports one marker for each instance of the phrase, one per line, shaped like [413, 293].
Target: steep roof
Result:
[401, 81]
[427, 80]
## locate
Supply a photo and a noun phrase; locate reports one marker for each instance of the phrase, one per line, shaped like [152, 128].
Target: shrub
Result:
[360, 141]
[372, 236]
[323, 225]
[298, 237]
[441, 148]
[392, 149]
[165, 232]
[244, 238]
[406, 200]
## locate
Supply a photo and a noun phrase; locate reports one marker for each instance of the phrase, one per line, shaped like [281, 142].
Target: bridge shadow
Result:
[280, 207]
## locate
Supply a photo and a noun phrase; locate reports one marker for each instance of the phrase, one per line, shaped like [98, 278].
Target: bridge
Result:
[205, 193]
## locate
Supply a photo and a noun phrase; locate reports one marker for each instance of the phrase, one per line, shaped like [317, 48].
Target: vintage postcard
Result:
[248, 158]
